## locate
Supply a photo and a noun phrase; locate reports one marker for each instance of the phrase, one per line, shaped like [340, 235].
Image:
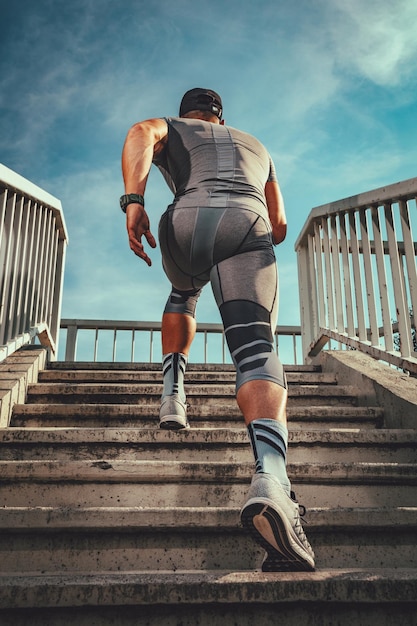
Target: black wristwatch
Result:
[131, 198]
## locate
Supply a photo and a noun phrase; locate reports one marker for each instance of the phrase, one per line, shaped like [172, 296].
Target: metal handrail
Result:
[33, 241]
[212, 350]
[346, 292]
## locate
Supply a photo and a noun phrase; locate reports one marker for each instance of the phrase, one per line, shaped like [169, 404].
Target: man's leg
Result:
[258, 398]
[271, 513]
[245, 289]
[263, 404]
[178, 331]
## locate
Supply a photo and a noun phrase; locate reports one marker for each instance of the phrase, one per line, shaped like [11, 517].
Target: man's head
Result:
[204, 101]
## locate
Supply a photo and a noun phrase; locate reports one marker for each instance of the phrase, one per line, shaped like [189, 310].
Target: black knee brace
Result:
[184, 302]
[250, 340]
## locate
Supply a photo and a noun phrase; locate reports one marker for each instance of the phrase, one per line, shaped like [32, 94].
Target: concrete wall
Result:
[17, 372]
[377, 383]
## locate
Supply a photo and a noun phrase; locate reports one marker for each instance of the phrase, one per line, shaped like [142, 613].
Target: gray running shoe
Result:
[273, 520]
[173, 413]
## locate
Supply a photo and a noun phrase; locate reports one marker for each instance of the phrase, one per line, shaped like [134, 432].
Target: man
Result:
[226, 215]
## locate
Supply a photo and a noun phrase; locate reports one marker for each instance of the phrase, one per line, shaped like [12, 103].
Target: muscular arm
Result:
[276, 211]
[144, 140]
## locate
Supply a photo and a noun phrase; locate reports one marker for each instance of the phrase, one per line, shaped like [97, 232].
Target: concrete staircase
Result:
[107, 520]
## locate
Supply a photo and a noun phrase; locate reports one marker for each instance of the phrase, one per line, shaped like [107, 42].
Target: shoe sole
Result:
[269, 527]
[170, 422]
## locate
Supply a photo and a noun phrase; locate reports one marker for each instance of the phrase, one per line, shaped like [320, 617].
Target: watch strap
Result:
[131, 198]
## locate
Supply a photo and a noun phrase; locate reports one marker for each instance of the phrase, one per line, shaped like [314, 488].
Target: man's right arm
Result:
[144, 141]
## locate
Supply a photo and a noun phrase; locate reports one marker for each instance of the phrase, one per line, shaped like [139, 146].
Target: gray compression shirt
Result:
[211, 165]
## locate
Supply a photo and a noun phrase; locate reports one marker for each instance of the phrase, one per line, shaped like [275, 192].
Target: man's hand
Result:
[137, 224]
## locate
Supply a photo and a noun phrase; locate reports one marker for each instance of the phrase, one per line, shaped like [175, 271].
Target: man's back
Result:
[210, 165]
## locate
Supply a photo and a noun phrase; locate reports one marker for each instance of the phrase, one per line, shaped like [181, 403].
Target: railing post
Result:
[71, 345]
[369, 279]
[410, 254]
[6, 278]
[308, 299]
[346, 276]
[382, 280]
[337, 276]
[404, 326]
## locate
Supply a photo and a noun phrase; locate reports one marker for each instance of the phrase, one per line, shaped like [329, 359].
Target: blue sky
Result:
[329, 86]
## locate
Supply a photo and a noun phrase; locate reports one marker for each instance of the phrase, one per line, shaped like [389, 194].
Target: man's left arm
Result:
[276, 211]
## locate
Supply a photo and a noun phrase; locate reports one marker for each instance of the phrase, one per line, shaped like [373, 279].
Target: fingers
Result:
[137, 223]
[150, 238]
[137, 247]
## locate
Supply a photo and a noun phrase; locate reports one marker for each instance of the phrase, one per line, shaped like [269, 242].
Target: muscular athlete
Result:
[218, 230]
[226, 216]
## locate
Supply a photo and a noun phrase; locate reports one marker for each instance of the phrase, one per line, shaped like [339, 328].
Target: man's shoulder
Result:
[245, 137]
[185, 121]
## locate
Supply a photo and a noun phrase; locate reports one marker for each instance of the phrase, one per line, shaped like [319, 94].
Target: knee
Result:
[184, 302]
[267, 366]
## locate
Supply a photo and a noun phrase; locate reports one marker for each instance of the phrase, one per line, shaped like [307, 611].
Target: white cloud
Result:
[376, 38]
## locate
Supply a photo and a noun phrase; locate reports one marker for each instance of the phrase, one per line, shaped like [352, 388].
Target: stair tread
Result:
[76, 518]
[138, 376]
[371, 585]
[156, 367]
[124, 471]
[67, 391]
[145, 408]
[226, 436]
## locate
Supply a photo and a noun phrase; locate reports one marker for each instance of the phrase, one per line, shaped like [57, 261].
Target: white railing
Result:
[357, 275]
[357, 282]
[33, 240]
[100, 340]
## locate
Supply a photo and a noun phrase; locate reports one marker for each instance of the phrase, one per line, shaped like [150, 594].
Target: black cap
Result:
[201, 100]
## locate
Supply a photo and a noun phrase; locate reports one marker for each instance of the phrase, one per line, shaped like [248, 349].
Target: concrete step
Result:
[211, 413]
[106, 519]
[192, 377]
[196, 394]
[124, 539]
[176, 483]
[362, 597]
[219, 368]
[203, 444]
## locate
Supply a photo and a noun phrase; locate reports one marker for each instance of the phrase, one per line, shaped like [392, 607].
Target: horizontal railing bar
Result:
[83, 324]
[73, 327]
[405, 190]
[400, 246]
[393, 358]
[22, 187]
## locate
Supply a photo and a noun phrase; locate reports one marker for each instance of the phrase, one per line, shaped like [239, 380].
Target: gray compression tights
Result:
[245, 289]
[232, 249]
